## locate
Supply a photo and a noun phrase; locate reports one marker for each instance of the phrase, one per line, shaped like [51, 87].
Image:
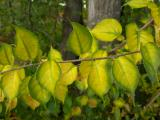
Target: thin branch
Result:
[117, 48]
[153, 99]
[73, 61]
[147, 24]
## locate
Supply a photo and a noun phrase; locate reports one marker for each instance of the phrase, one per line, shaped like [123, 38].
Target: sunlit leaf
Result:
[48, 74]
[155, 12]
[135, 37]
[27, 45]
[61, 91]
[98, 79]
[54, 55]
[69, 73]
[151, 57]
[38, 92]
[126, 73]
[10, 84]
[107, 30]
[80, 39]
[6, 54]
[138, 3]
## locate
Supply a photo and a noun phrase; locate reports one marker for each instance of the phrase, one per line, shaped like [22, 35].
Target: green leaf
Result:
[80, 39]
[61, 91]
[107, 30]
[126, 73]
[6, 54]
[27, 44]
[69, 73]
[38, 92]
[48, 74]
[98, 79]
[135, 37]
[10, 84]
[138, 3]
[151, 56]
[54, 55]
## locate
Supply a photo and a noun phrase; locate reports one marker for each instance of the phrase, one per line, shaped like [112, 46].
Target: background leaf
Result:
[27, 44]
[6, 54]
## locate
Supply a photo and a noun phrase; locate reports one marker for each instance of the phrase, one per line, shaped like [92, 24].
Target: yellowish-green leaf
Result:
[11, 104]
[6, 54]
[155, 12]
[80, 39]
[98, 80]
[25, 95]
[38, 92]
[54, 55]
[138, 3]
[135, 38]
[1, 95]
[48, 74]
[107, 30]
[151, 56]
[1, 67]
[126, 73]
[27, 44]
[10, 84]
[69, 73]
[61, 91]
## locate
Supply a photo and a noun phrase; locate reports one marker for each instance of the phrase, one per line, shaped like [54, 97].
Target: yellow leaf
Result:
[107, 30]
[69, 73]
[126, 73]
[10, 84]
[138, 3]
[48, 74]
[6, 54]
[61, 91]
[80, 39]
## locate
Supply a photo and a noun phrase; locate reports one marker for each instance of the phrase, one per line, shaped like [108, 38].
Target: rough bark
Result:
[100, 9]
[72, 12]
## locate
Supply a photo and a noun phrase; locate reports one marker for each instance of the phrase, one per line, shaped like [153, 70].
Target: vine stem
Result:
[73, 61]
[153, 99]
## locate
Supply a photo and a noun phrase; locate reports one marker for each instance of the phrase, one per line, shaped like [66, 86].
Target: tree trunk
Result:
[100, 9]
[72, 12]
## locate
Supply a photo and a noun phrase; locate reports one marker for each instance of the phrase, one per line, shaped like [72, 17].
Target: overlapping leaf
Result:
[151, 57]
[61, 91]
[98, 79]
[107, 30]
[25, 95]
[38, 92]
[54, 55]
[27, 45]
[6, 54]
[10, 84]
[48, 74]
[69, 73]
[135, 38]
[80, 39]
[126, 73]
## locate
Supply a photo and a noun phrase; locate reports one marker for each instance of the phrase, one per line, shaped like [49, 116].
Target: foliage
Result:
[115, 84]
